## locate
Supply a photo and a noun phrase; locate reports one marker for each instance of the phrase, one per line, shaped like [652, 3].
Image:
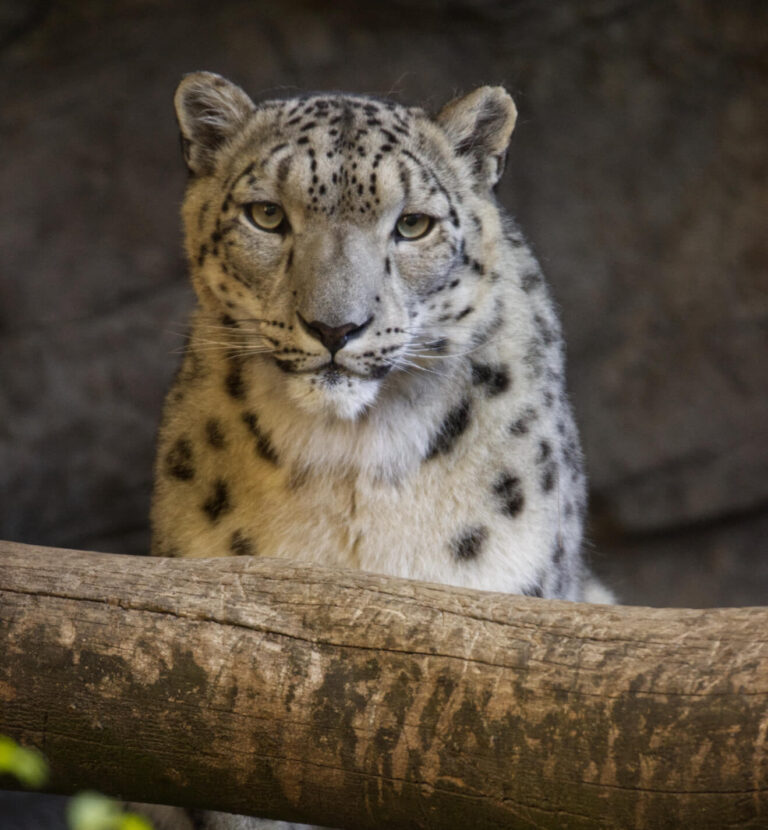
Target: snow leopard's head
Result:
[346, 240]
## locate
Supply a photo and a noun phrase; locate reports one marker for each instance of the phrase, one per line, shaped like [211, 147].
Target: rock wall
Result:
[638, 169]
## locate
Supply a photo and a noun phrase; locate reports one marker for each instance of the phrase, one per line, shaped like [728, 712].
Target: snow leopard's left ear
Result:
[210, 110]
[479, 126]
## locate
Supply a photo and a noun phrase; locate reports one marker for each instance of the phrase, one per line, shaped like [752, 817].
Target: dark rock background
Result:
[639, 170]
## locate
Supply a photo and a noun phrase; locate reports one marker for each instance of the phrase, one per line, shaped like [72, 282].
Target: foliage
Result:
[94, 811]
[85, 811]
[26, 765]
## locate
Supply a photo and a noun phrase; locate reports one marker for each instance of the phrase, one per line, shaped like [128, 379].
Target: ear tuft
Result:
[479, 125]
[209, 109]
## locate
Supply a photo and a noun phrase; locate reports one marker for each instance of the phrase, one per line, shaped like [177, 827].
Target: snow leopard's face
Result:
[344, 239]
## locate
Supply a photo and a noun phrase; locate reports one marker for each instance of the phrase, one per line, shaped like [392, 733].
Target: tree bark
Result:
[358, 701]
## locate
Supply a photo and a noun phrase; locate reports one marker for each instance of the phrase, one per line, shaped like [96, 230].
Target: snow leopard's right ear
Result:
[210, 110]
[479, 126]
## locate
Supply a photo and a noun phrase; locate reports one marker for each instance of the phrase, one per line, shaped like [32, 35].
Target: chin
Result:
[333, 394]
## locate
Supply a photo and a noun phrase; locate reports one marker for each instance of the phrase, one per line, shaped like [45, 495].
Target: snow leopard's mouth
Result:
[332, 373]
[332, 390]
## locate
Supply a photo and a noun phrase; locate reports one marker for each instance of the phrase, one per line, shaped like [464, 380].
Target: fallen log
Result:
[359, 701]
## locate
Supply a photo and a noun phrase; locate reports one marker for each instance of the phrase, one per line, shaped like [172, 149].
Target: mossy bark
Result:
[359, 701]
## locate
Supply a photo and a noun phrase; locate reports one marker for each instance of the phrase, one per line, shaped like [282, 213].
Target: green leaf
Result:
[91, 811]
[94, 811]
[27, 765]
[132, 821]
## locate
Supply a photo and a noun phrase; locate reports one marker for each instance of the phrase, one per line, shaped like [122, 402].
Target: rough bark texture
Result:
[359, 701]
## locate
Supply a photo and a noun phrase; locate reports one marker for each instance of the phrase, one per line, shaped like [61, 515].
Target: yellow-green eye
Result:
[267, 216]
[413, 225]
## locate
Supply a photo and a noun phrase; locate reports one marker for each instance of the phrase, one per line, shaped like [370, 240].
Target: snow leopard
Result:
[374, 372]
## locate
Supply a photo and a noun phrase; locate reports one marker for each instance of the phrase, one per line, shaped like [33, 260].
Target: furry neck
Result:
[385, 441]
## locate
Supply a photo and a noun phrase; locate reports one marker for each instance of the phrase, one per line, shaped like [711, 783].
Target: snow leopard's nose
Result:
[333, 338]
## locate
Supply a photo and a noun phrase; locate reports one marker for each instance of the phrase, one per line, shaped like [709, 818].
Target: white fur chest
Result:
[391, 495]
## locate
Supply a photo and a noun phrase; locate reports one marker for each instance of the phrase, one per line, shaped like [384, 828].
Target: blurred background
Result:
[638, 170]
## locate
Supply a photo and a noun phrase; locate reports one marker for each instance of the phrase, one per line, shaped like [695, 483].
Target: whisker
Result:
[402, 360]
[464, 352]
[402, 368]
[244, 352]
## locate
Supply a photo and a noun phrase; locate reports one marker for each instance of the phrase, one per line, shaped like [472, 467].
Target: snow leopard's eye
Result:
[267, 216]
[412, 226]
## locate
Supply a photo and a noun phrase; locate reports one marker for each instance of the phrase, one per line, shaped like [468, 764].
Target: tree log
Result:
[358, 701]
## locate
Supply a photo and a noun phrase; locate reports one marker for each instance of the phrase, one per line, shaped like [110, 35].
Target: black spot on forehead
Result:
[353, 108]
[405, 179]
[283, 169]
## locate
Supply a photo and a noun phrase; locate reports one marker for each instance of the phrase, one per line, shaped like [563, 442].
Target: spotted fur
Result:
[351, 396]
